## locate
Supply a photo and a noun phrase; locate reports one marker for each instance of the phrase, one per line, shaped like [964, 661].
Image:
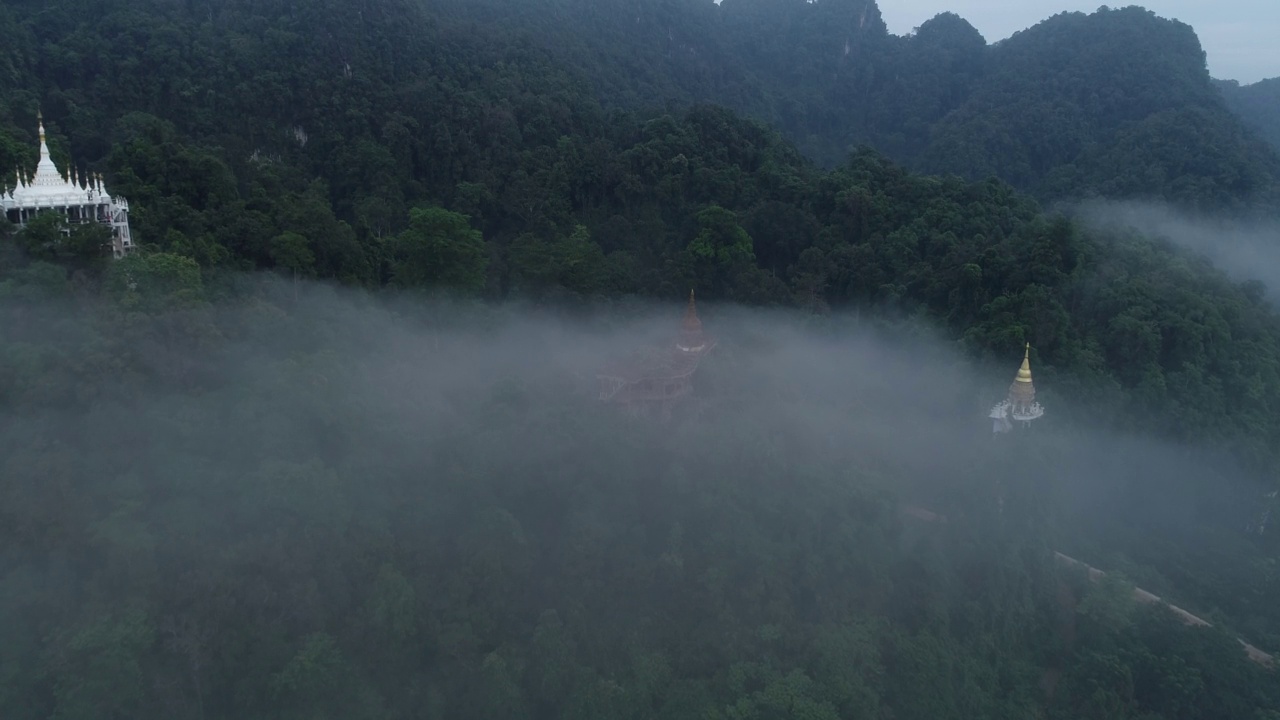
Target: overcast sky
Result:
[1241, 37]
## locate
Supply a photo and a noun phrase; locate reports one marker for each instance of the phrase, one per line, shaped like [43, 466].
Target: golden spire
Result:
[1024, 372]
[45, 169]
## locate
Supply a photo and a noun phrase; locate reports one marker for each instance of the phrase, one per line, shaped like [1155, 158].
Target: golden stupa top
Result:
[1024, 372]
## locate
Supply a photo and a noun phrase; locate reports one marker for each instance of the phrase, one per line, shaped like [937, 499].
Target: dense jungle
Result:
[327, 444]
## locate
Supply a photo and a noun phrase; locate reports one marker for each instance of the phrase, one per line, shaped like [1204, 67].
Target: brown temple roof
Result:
[691, 322]
[651, 364]
[675, 361]
[691, 337]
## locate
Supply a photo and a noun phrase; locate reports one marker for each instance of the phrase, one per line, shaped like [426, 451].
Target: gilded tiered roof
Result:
[1023, 391]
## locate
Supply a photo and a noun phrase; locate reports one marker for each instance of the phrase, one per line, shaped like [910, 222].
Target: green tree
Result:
[44, 236]
[155, 281]
[99, 670]
[439, 249]
[721, 251]
[290, 251]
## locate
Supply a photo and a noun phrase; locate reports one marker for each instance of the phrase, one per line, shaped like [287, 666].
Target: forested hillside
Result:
[1257, 104]
[290, 138]
[1117, 104]
[260, 468]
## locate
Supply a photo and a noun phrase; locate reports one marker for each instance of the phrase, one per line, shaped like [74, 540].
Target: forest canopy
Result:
[325, 444]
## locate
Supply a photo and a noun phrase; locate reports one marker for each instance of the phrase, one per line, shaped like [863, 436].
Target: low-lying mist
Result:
[1246, 249]
[401, 388]
[251, 460]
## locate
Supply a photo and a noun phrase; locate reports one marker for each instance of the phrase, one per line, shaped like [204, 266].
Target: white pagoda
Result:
[1021, 403]
[81, 199]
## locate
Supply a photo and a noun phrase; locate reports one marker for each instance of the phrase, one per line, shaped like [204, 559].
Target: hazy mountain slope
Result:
[825, 73]
[1117, 103]
[1055, 110]
[1257, 104]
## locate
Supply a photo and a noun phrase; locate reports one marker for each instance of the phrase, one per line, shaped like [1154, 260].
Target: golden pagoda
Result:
[1021, 403]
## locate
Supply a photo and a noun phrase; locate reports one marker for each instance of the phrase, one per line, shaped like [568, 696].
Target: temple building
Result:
[651, 382]
[79, 198]
[1021, 403]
